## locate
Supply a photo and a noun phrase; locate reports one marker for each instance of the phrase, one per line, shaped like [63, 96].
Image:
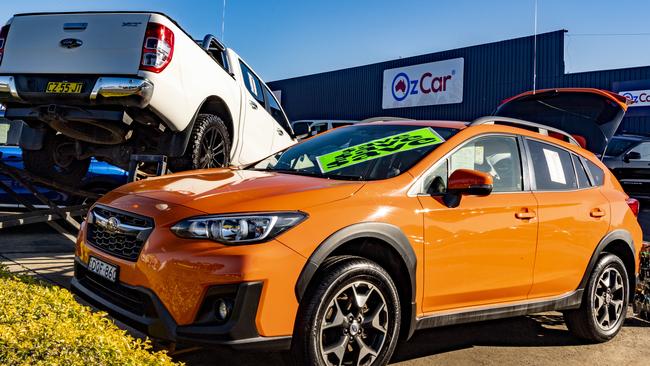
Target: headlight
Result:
[238, 228]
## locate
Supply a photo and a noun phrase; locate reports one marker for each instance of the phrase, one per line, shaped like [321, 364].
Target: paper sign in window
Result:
[554, 163]
[463, 158]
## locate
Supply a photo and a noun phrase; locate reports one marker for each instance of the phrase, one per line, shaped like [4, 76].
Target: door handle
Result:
[525, 215]
[279, 131]
[253, 104]
[596, 212]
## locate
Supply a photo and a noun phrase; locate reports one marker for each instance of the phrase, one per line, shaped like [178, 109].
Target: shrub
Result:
[42, 324]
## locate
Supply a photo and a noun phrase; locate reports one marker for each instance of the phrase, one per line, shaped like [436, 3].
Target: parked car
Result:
[306, 128]
[341, 245]
[118, 83]
[101, 177]
[628, 157]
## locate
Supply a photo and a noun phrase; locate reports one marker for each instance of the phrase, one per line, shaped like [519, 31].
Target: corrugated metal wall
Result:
[493, 72]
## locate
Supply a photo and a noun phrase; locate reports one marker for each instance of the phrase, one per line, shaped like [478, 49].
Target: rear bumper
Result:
[115, 91]
[141, 309]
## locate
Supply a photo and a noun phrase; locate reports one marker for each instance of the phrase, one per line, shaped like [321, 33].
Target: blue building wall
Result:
[493, 72]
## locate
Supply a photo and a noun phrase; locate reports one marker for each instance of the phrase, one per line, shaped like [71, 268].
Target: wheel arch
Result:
[620, 243]
[217, 106]
[382, 243]
[177, 142]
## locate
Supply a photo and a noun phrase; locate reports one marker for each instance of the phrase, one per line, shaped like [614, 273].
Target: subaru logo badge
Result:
[71, 43]
[113, 224]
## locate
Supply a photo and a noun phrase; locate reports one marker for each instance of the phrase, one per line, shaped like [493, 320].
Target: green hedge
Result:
[42, 324]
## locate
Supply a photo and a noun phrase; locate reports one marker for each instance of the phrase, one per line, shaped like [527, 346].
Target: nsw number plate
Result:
[103, 269]
[63, 87]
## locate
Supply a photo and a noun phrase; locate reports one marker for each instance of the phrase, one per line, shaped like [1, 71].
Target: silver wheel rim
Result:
[609, 298]
[354, 327]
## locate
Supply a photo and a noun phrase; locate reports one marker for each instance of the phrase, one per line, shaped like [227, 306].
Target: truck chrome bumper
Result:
[8, 88]
[111, 89]
[119, 91]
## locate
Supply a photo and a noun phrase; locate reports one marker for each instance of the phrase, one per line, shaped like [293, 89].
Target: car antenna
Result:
[223, 22]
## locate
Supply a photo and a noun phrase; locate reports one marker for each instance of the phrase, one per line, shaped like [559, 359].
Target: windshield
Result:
[359, 152]
[618, 146]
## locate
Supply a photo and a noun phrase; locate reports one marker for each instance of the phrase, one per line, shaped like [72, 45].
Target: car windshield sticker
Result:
[378, 148]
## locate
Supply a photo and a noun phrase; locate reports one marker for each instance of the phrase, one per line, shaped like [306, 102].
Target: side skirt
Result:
[568, 301]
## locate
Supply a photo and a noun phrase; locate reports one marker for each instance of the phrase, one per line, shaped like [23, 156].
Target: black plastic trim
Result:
[619, 234]
[566, 302]
[238, 332]
[388, 233]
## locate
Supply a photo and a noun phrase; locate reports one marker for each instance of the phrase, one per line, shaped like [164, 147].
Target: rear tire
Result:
[209, 145]
[350, 314]
[56, 161]
[604, 304]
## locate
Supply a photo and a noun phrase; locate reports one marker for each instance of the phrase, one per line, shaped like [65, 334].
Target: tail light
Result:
[634, 205]
[4, 32]
[157, 49]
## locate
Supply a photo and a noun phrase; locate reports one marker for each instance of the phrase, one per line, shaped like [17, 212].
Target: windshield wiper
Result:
[312, 174]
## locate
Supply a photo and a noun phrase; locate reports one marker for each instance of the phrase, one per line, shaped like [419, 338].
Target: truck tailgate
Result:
[111, 43]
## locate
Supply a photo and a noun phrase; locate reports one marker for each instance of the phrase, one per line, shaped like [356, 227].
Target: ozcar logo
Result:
[426, 83]
[641, 98]
[432, 83]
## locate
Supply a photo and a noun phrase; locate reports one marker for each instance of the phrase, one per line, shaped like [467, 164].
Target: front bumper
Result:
[116, 91]
[141, 309]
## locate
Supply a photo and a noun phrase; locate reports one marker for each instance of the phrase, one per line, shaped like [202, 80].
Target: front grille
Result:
[124, 240]
[133, 301]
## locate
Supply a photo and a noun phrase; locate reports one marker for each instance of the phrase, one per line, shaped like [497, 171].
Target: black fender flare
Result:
[177, 142]
[387, 233]
[619, 234]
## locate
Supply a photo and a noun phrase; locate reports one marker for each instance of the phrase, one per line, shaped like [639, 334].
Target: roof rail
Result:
[542, 129]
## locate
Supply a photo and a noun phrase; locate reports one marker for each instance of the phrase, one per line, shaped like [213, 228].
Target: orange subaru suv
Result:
[339, 246]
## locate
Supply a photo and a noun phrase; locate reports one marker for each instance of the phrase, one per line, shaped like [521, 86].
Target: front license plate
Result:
[103, 269]
[63, 87]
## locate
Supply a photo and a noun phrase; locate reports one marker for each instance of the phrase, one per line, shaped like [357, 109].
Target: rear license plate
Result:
[63, 87]
[103, 269]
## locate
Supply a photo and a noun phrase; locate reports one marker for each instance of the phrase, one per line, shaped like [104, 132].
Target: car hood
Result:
[590, 115]
[226, 190]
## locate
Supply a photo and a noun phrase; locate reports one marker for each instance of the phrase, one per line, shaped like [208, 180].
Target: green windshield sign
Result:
[378, 148]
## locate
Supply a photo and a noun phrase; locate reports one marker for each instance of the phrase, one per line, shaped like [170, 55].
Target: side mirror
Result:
[466, 182]
[631, 155]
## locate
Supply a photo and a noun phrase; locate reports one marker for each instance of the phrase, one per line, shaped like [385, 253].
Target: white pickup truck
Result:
[112, 84]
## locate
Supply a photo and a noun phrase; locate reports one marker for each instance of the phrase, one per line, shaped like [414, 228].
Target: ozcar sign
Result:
[424, 84]
[641, 98]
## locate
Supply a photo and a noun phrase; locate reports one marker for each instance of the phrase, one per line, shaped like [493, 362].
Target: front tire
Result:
[350, 316]
[604, 305]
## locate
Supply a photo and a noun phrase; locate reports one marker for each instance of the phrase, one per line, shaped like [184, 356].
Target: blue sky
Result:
[285, 38]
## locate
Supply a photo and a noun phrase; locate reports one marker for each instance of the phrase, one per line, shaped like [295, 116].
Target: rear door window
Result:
[583, 178]
[253, 84]
[553, 167]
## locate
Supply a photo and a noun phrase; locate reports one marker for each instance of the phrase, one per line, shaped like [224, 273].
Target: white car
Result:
[307, 128]
[112, 84]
